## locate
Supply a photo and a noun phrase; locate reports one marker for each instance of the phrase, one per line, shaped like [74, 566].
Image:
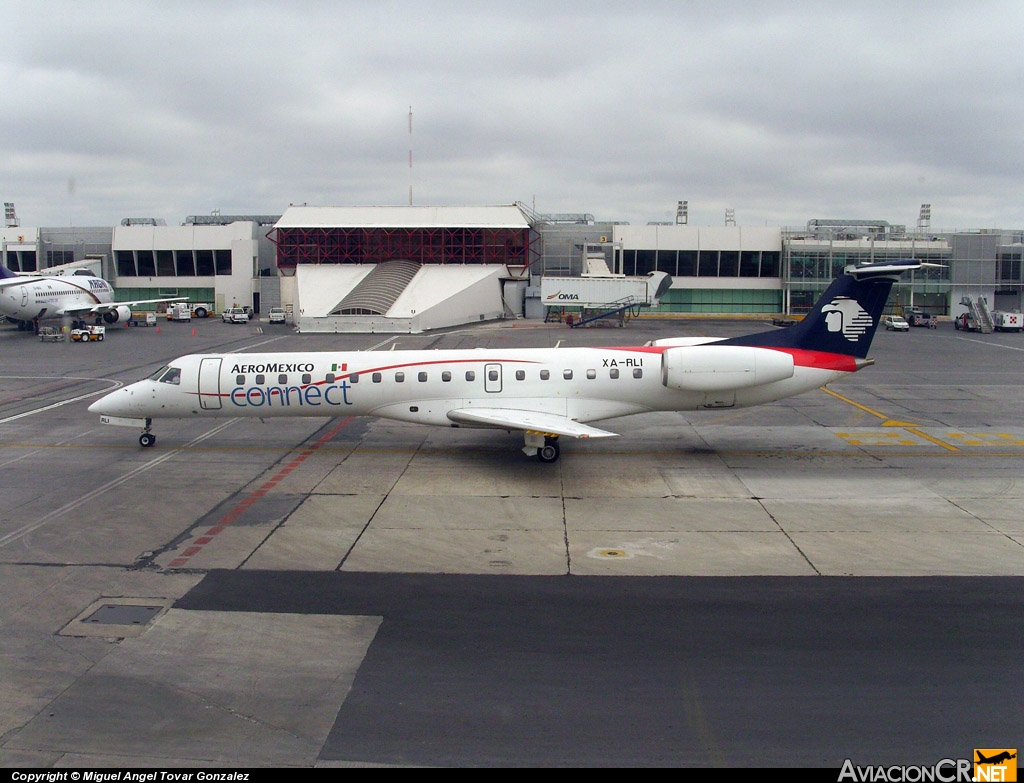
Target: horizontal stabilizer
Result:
[531, 421]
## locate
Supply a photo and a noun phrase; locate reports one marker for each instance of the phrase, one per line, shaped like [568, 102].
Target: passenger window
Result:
[283, 379]
[591, 374]
[446, 376]
[261, 379]
[492, 375]
[375, 377]
[399, 377]
[545, 375]
[422, 377]
[307, 378]
[638, 373]
[354, 378]
[239, 380]
[470, 375]
[613, 372]
[567, 374]
[329, 378]
[172, 376]
[520, 375]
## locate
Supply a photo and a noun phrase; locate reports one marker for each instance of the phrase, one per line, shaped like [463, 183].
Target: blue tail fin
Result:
[844, 319]
[5, 272]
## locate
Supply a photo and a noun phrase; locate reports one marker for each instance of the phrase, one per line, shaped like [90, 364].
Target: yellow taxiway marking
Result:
[987, 439]
[887, 422]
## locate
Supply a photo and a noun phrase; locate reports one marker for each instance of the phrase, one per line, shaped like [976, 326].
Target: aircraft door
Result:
[209, 384]
[492, 378]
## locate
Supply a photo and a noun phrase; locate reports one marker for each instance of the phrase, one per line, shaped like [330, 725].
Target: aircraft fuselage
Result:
[581, 384]
[50, 297]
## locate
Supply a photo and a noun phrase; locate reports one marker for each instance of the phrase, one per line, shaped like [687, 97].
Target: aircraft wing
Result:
[530, 421]
[107, 306]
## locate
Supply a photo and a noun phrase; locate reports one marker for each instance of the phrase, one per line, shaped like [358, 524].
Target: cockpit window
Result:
[156, 376]
[173, 375]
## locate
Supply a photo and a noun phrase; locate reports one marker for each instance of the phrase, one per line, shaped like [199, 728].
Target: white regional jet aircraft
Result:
[543, 392]
[29, 299]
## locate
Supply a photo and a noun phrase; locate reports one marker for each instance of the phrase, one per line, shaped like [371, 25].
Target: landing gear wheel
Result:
[147, 439]
[549, 451]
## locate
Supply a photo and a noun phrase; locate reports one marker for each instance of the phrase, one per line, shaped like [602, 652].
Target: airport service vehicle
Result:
[276, 315]
[1007, 322]
[30, 299]
[195, 310]
[235, 315]
[895, 323]
[88, 334]
[965, 322]
[545, 393]
[179, 312]
[915, 316]
[143, 319]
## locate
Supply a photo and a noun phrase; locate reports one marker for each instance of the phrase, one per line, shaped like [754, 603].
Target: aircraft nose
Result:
[101, 406]
[112, 404]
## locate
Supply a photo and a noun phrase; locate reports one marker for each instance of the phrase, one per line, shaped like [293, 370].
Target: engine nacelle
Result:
[120, 313]
[714, 368]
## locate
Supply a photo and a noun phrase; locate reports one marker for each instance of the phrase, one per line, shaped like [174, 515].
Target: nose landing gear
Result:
[147, 438]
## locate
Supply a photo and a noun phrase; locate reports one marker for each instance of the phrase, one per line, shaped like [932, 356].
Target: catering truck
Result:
[1007, 322]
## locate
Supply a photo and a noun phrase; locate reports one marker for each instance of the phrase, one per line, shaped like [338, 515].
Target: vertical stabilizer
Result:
[844, 319]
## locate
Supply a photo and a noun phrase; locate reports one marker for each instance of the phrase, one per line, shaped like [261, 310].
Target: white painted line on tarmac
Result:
[51, 406]
[90, 496]
[993, 345]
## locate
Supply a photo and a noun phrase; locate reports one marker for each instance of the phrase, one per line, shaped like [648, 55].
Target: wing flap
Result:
[530, 421]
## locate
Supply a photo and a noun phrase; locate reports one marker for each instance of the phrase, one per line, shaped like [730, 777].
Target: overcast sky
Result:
[781, 111]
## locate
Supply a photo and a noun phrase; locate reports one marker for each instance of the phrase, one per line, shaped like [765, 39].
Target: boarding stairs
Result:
[379, 290]
[978, 308]
[620, 309]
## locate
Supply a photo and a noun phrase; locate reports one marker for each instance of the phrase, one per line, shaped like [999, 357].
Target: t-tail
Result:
[844, 319]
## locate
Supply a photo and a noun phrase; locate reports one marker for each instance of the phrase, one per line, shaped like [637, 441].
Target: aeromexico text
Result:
[242, 369]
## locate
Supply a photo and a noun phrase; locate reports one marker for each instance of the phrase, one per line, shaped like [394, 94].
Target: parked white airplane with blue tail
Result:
[546, 393]
[27, 299]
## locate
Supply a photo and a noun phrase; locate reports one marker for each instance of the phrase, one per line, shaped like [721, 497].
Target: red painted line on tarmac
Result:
[242, 505]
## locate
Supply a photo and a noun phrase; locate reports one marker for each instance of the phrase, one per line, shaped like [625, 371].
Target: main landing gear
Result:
[147, 438]
[545, 447]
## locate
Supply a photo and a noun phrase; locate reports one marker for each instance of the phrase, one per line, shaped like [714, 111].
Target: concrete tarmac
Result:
[833, 576]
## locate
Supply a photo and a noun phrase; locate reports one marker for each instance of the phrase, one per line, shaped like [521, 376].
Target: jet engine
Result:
[120, 313]
[714, 368]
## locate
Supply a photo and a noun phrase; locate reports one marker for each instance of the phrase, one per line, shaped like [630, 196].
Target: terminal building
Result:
[416, 268]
